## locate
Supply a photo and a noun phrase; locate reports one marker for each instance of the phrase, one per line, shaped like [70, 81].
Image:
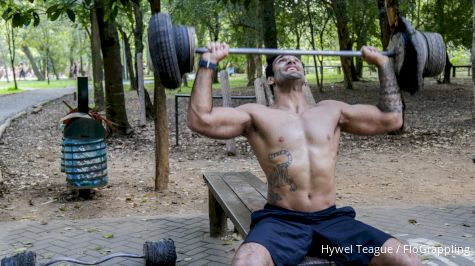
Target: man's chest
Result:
[283, 128]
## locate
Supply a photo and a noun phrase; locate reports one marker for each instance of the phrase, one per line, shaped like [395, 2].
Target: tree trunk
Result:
[11, 49]
[360, 42]
[97, 72]
[251, 63]
[251, 70]
[154, 6]
[138, 37]
[312, 38]
[38, 74]
[447, 68]
[266, 10]
[473, 60]
[115, 99]
[162, 165]
[128, 59]
[385, 30]
[339, 8]
[54, 68]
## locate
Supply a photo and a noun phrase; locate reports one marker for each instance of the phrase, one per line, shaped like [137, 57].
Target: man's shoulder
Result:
[252, 107]
[331, 104]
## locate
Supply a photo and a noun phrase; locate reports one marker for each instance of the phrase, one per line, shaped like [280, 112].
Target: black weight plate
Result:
[161, 40]
[27, 258]
[191, 40]
[436, 54]
[182, 49]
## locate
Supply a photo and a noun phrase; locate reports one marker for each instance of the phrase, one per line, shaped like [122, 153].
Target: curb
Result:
[7, 123]
[37, 106]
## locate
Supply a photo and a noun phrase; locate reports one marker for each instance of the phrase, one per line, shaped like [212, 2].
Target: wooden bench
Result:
[236, 195]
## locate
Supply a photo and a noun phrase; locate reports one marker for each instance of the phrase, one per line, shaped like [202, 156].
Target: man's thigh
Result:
[347, 241]
[287, 242]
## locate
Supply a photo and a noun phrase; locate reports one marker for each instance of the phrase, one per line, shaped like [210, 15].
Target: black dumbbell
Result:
[161, 252]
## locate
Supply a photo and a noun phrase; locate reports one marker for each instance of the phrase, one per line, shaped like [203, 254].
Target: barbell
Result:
[415, 54]
[156, 253]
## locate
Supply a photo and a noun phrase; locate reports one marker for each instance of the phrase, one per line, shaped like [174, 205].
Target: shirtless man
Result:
[296, 145]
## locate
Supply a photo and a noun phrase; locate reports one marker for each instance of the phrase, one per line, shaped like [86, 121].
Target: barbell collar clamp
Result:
[269, 51]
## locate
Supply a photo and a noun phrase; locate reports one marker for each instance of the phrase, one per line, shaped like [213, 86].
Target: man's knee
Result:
[396, 255]
[252, 254]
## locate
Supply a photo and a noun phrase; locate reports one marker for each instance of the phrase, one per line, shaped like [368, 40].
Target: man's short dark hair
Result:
[270, 60]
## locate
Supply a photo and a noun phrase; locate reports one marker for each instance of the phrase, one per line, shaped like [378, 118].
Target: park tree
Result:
[473, 57]
[106, 11]
[363, 15]
[340, 11]
[11, 36]
[97, 62]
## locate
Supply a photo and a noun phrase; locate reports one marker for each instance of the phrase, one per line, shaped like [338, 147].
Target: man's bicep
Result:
[362, 119]
[227, 122]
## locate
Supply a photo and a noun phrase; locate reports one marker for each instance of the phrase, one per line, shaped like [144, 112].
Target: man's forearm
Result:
[201, 96]
[389, 94]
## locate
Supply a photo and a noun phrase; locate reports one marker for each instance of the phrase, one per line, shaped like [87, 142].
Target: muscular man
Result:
[296, 145]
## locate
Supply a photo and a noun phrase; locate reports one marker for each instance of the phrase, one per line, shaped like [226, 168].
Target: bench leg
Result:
[217, 217]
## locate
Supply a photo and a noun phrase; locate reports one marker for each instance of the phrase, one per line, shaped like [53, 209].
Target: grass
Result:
[10, 90]
[34, 84]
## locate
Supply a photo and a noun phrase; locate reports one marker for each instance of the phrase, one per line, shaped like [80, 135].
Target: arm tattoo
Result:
[389, 95]
[280, 176]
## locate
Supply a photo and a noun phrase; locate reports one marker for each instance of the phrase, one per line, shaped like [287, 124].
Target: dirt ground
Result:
[430, 164]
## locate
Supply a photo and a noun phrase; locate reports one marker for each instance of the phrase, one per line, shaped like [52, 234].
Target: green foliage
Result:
[20, 14]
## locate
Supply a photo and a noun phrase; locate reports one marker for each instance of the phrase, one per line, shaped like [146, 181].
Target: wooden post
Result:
[453, 71]
[260, 92]
[162, 167]
[224, 80]
[217, 217]
[308, 94]
[140, 90]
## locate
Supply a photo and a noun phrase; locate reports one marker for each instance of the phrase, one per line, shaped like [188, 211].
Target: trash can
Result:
[84, 162]
[84, 152]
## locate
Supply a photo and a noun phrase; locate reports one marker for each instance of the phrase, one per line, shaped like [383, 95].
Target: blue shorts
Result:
[289, 236]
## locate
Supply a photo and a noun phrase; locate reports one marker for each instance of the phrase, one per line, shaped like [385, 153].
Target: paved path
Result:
[12, 104]
[428, 229]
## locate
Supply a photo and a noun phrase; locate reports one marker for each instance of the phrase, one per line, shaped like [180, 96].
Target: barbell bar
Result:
[415, 54]
[269, 51]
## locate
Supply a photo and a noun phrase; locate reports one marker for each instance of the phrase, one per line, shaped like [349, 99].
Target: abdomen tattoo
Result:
[280, 176]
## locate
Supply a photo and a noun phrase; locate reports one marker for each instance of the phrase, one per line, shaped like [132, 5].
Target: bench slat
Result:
[232, 205]
[248, 194]
[255, 182]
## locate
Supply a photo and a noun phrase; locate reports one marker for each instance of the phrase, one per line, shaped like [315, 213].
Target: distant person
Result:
[22, 71]
[74, 70]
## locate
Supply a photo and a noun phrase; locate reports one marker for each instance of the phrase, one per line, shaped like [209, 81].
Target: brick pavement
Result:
[439, 227]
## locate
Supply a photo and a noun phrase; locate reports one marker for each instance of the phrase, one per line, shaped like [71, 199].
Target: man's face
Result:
[287, 67]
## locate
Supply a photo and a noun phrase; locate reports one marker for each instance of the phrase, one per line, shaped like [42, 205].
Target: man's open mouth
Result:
[292, 68]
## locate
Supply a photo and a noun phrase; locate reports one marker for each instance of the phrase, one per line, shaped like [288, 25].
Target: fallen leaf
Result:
[108, 236]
